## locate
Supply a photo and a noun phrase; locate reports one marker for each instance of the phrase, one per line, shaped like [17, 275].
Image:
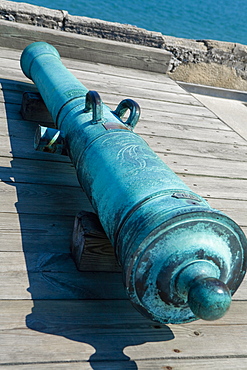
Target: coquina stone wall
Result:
[208, 62]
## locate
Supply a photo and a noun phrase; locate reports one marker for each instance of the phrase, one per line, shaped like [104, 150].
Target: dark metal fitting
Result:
[94, 102]
[49, 140]
[135, 112]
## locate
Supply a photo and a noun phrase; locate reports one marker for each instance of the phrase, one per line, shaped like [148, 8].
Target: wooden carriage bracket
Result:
[90, 247]
[34, 109]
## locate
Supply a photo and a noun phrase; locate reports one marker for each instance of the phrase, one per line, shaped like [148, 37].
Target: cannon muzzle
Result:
[181, 259]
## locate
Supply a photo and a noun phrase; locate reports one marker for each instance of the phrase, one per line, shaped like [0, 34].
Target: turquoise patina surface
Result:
[181, 259]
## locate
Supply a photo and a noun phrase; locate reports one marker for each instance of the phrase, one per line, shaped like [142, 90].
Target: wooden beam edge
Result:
[91, 49]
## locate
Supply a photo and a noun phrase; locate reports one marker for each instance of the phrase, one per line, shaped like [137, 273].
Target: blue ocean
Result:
[223, 20]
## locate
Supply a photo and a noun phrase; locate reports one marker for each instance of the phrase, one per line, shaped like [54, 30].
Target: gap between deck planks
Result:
[238, 363]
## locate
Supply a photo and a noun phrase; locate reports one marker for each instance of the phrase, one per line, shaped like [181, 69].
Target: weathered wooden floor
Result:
[51, 315]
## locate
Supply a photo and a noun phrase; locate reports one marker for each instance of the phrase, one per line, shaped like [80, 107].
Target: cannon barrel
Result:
[181, 259]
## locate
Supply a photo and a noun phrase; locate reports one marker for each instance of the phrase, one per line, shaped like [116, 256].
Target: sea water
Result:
[223, 20]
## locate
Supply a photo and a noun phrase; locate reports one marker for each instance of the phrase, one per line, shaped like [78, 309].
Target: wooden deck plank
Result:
[29, 241]
[204, 166]
[233, 112]
[235, 209]
[156, 364]
[197, 148]
[38, 171]
[229, 188]
[35, 223]
[35, 233]
[56, 310]
[74, 332]
[162, 130]
[177, 119]
[62, 285]
[20, 144]
[42, 199]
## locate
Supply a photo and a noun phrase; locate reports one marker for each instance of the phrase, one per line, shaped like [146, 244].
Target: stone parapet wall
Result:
[113, 31]
[31, 14]
[208, 62]
[61, 20]
[216, 63]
